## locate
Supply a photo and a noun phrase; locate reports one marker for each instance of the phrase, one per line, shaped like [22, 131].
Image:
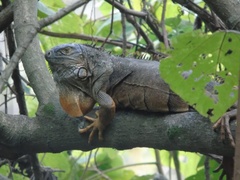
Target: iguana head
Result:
[68, 61]
[79, 66]
[66, 56]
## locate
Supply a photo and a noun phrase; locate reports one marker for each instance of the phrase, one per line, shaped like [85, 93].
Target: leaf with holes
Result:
[203, 70]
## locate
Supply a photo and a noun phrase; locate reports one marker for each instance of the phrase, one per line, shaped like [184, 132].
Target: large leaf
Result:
[43, 10]
[196, 62]
[58, 161]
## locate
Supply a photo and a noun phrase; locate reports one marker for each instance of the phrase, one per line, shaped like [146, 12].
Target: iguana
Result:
[86, 75]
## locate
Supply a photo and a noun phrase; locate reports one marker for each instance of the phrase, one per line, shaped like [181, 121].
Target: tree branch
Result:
[227, 11]
[140, 31]
[150, 20]
[123, 9]
[31, 30]
[164, 31]
[6, 17]
[62, 12]
[203, 14]
[85, 37]
[54, 131]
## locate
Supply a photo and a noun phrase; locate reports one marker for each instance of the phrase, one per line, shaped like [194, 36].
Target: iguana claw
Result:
[223, 124]
[94, 127]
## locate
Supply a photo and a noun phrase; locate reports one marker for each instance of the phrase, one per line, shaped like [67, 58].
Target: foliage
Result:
[109, 163]
[32, 105]
[204, 65]
[178, 22]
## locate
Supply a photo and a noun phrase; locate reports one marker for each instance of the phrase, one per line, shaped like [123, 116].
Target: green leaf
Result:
[194, 65]
[187, 160]
[32, 105]
[145, 177]
[58, 161]
[43, 10]
[56, 4]
[173, 22]
[136, 4]
[105, 8]
[200, 170]
[104, 28]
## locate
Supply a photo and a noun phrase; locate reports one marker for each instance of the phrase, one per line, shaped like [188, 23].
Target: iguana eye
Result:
[65, 51]
[81, 56]
[81, 73]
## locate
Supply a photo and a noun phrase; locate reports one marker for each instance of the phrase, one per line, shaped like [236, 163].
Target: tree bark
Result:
[6, 17]
[53, 131]
[227, 11]
[33, 60]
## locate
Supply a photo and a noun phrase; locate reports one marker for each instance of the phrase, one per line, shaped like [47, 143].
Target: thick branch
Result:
[227, 11]
[6, 17]
[203, 14]
[31, 31]
[35, 67]
[56, 132]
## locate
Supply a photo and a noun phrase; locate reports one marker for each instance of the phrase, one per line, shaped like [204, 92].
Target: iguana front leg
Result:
[104, 116]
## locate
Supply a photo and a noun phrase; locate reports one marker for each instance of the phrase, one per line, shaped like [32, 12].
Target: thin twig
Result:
[176, 164]
[154, 26]
[6, 100]
[101, 173]
[111, 25]
[16, 74]
[138, 35]
[150, 20]
[123, 21]
[61, 13]
[131, 19]
[123, 9]
[86, 38]
[31, 34]
[22, 78]
[36, 167]
[158, 161]
[121, 167]
[3, 162]
[95, 167]
[87, 165]
[149, 43]
[206, 168]
[164, 32]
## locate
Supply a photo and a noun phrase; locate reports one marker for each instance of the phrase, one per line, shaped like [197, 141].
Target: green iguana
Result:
[86, 75]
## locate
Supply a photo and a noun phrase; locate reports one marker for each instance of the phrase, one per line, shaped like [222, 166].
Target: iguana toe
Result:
[223, 124]
[94, 127]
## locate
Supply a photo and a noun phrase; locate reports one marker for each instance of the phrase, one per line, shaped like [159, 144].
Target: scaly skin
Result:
[81, 85]
[86, 75]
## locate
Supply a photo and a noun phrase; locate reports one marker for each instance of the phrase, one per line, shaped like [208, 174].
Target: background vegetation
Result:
[141, 29]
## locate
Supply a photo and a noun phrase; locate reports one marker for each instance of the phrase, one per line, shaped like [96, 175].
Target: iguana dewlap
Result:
[86, 75]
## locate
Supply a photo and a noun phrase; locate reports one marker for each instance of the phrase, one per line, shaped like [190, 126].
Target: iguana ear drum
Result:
[81, 73]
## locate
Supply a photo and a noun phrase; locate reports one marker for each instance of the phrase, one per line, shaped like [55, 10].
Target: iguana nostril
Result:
[48, 54]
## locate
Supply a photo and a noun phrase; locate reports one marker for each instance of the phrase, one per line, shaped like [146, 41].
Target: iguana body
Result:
[86, 75]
